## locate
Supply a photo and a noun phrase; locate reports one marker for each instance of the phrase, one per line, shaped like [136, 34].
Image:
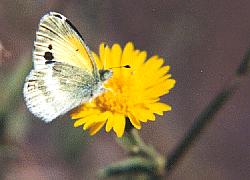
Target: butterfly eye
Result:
[105, 74]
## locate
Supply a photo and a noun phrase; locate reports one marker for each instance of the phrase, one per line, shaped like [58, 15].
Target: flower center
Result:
[116, 99]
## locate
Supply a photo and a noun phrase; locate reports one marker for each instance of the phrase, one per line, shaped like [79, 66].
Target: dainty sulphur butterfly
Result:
[64, 73]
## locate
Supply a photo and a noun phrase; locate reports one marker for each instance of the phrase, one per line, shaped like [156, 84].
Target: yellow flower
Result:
[132, 93]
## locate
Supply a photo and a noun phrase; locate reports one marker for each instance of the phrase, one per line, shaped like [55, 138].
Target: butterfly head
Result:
[105, 74]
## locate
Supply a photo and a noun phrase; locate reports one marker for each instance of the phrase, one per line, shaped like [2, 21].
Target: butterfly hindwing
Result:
[57, 89]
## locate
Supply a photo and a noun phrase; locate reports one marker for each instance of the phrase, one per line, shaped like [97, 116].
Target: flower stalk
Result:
[143, 159]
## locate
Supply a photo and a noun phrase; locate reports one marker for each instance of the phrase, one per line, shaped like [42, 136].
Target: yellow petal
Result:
[159, 108]
[139, 114]
[159, 80]
[140, 59]
[115, 60]
[88, 120]
[163, 70]
[160, 89]
[85, 119]
[143, 113]
[147, 73]
[96, 118]
[110, 123]
[135, 122]
[96, 127]
[79, 122]
[130, 59]
[83, 113]
[128, 50]
[104, 55]
[101, 51]
[158, 76]
[154, 62]
[119, 124]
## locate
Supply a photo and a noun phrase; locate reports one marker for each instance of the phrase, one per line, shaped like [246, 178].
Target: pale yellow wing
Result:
[58, 40]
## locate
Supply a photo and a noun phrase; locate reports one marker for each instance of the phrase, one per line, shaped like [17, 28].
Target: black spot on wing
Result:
[73, 27]
[48, 56]
[49, 62]
[50, 47]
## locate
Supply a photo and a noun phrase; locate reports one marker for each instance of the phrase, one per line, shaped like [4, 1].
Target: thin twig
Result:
[207, 115]
[199, 124]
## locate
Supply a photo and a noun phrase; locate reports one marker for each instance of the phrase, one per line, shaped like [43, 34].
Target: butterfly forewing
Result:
[58, 40]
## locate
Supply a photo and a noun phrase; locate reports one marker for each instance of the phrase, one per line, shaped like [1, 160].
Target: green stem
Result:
[144, 159]
[131, 165]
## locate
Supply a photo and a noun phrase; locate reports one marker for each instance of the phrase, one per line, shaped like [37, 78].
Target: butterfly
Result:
[64, 73]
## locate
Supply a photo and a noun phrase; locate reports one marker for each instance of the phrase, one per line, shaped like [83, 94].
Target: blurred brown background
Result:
[203, 41]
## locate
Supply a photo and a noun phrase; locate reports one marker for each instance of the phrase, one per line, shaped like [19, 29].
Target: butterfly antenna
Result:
[126, 66]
